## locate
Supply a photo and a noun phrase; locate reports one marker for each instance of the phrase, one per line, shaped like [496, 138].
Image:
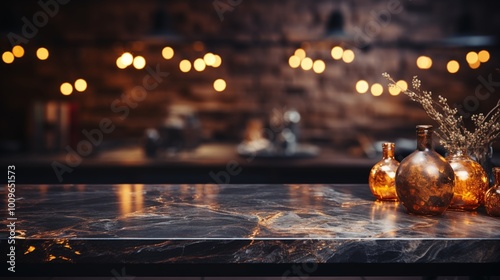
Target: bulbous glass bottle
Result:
[382, 175]
[492, 197]
[471, 181]
[424, 180]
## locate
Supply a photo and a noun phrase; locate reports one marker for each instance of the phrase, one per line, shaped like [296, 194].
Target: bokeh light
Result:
[185, 65]
[471, 57]
[127, 59]
[301, 53]
[167, 53]
[294, 61]
[80, 85]
[362, 86]
[394, 90]
[219, 85]
[475, 65]
[199, 64]
[8, 57]
[306, 63]
[139, 62]
[18, 51]
[452, 66]
[218, 61]
[209, 59]
[319, 66]
[377, 89]
[337, 52]
[66, 88]
[424, 62]
[42, 53]
[483, 56]
[348, 56]
[402, 84]
[120, 64]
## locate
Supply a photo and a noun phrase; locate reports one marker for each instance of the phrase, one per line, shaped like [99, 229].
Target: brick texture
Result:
[255, 40]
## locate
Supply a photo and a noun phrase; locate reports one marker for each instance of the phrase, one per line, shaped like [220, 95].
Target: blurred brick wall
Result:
[255, 40]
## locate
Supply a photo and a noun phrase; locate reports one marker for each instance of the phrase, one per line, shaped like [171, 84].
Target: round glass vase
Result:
[424, 179]
[382, 175]
[471, 181]
[492, 196]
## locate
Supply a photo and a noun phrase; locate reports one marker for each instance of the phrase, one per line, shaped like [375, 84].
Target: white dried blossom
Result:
[451, 129]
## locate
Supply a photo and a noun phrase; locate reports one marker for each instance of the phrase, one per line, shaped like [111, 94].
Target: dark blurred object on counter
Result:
[179, 131]
[279, 140]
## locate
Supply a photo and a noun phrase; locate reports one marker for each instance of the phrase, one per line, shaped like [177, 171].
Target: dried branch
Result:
[451, 129]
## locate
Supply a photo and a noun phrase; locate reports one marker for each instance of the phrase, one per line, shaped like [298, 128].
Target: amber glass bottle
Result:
[492, 197]
[424, 180]
[471, 181]
[383, 173]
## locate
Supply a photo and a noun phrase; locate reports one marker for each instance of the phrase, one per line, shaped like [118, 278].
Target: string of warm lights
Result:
[300, 59]
[127, 59]
[80, 85]
[138, 62]
[377, 89]
[473, 59]
[17, 51]
[42, 53]
[199, 64]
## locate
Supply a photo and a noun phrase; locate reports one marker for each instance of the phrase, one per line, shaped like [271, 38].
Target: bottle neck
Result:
[496, 172]
[388, 150]
[424, 138]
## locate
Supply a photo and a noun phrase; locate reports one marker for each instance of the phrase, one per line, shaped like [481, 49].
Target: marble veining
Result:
[240, 224]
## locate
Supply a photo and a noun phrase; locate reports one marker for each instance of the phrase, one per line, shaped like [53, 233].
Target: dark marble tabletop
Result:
[239, 224]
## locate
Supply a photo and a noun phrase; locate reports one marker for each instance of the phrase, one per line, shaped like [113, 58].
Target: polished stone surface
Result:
[239, 224]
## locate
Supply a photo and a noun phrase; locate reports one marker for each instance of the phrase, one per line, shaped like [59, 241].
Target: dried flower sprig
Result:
[487, 130]
[451, 129]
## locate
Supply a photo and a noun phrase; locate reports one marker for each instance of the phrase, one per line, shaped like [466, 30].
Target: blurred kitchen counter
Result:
[221, 153]
[208, 163]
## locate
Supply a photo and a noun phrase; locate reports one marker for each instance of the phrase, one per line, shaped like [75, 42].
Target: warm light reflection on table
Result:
[130, 198]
